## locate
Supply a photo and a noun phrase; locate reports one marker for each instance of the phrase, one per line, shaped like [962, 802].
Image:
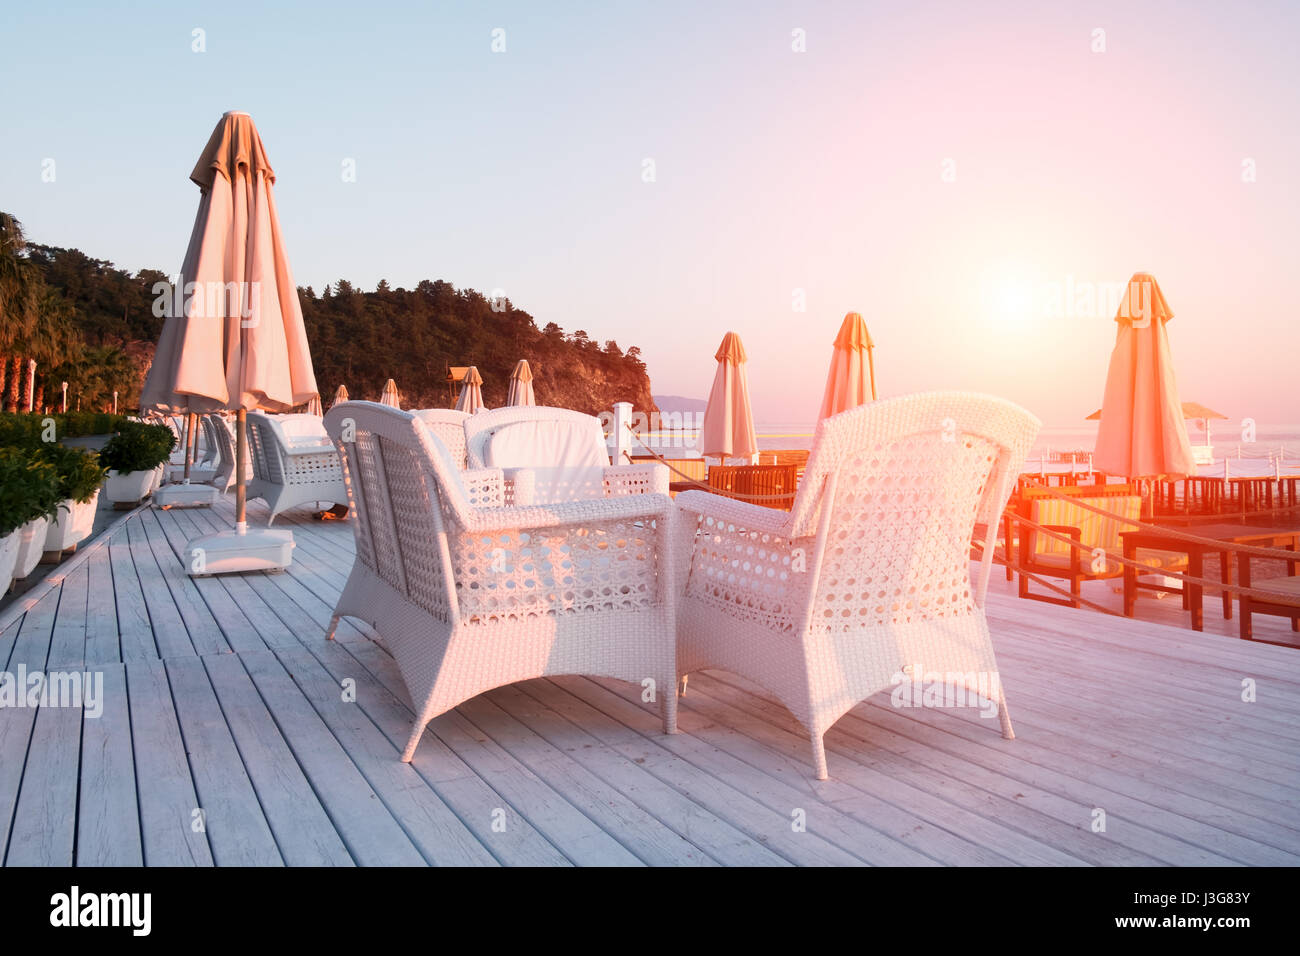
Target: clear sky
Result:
[962, 174]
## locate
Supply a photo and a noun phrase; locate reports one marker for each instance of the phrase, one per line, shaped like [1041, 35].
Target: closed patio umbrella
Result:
[389, 395]
[341, 395]
[1143, 433]
[852, 378]
[239, 341]
[728, 427]
[470, 398]
[314, 407]
[521, 385]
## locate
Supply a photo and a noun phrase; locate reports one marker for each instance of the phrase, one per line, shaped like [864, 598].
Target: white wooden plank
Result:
[302, 828]
[170, 824]
[103, 645]
[441, 836]
[566, 827]
[237, 829]
[519, 843]
[369, 831]
[68, 643]
[170, 633]
[108, 814]
[201, 627]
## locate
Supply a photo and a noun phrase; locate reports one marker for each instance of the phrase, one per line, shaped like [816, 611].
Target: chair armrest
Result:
[569, 513]
[751, 516]
[486, 487]
[646, 478]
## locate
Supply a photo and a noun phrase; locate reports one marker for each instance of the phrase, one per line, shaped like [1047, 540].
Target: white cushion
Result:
[547, 445]
[568, 459]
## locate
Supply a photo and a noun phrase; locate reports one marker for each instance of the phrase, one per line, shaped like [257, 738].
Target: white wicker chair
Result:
[449, 425]
[224, 477]
[867, 578]
[287, 475]
[486, 431]
[469, 594]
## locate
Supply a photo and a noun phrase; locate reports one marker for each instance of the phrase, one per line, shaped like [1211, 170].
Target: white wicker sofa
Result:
[564, 450]
[470, 594]
[287, 474]
[865, 583]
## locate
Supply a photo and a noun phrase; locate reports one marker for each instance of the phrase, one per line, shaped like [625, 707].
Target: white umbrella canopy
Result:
[728, 428]
[470, 398]
[521, 385]
[238, 341]
[340, 396]
[314, 407]
[389, 395]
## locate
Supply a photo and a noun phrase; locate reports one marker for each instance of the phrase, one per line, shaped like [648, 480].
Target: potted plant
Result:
[29, 495]
[132, 457]
[80, 475]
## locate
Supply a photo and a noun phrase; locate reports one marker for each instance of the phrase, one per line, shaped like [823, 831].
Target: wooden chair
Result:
[748, 482]
[1097, 539]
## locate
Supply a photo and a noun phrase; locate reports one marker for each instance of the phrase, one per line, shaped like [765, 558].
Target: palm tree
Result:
[19, 297]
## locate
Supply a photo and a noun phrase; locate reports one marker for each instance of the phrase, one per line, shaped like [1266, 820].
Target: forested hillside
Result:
[91, 324]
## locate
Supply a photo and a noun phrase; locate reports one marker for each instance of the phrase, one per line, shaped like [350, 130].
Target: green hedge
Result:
[28, 430]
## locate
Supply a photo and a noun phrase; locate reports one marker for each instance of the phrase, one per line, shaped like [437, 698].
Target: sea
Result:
[1249, 449]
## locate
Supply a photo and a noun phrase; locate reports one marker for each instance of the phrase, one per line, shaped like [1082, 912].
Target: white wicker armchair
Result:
[449, 425]
[287, 475]
[564, 450]
[470, 594]
[867, 578]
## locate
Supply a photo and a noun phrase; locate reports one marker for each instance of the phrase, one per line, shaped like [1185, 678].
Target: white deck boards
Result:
[227, 738]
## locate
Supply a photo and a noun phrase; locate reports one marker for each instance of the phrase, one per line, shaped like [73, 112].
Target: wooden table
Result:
[1196, 551]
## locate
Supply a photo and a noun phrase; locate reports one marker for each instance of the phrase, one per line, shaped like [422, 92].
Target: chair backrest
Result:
[300, 425]
[1096, 531]
[898, 486]
[449, 425]
[534, 436]
[404, 494]
[224, 446]
[564, 449]
[266, 447]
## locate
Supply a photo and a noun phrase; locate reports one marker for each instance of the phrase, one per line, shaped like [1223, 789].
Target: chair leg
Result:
[334, 626]
[668, 707]
[681, 687]
[819, 754]
[417, 731]
[1004, 717]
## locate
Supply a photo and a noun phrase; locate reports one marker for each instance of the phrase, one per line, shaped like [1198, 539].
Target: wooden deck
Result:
[227, 737]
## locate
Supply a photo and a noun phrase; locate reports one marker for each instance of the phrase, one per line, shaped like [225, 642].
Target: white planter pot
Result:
[130, 487]
[8, 557]
[31, 545]
[159, 474]
[73, 525]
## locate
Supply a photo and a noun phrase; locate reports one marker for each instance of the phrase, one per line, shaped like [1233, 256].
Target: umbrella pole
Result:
[871, 367]
[241, 465]
[191, 420]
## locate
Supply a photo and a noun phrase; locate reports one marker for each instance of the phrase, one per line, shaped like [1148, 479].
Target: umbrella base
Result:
[184, 495]
[228, 552]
